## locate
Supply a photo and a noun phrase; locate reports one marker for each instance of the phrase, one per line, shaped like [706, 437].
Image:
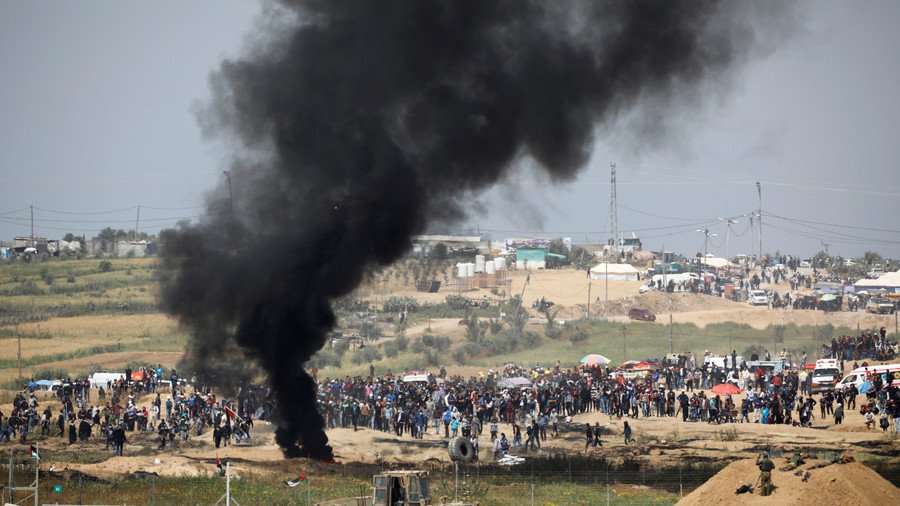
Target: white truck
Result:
[825, 375]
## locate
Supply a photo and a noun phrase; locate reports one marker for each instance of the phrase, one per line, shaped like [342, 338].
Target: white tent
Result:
[889, 281]
[616, 272]
[716, 262]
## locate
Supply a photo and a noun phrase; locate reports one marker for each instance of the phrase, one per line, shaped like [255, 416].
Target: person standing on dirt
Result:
[627, 433]
[597, 434]
[765, 474]
[589, 436]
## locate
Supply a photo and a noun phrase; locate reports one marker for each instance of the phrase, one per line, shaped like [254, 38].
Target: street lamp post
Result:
[728, 223]
[706, 235]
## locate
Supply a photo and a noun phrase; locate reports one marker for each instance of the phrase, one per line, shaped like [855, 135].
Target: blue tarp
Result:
[865, 387]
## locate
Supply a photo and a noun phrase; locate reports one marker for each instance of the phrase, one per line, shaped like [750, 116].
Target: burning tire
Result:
[460, 450]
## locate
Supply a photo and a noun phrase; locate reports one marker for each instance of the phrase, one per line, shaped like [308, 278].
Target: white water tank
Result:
[479, 263]
[489, 267]
[500, 264]
[460, 270]
[470, 270]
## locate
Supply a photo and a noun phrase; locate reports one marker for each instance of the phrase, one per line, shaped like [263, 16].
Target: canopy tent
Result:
[614, 272]
[889, 282]
[725, 389]
[715, 262]
[516, 382]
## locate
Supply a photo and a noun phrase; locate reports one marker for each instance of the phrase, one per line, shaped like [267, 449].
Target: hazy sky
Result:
[96, 101]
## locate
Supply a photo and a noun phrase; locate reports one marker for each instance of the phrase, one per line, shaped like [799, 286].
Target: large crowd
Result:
[173, 415]
[450, 405]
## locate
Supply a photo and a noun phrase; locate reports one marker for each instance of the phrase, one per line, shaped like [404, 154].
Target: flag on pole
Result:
[34, 454]
[218, 462]
[231, 415]
[303, 478]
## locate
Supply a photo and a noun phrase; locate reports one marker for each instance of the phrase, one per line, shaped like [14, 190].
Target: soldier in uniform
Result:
[765, 474]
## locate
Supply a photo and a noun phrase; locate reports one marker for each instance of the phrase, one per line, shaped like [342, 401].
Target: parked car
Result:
[880, 305]
[758, 298]
[875, 273]
[641, 313]
[806, 263]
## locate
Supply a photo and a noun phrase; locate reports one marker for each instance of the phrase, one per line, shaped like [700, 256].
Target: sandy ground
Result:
[852, 483]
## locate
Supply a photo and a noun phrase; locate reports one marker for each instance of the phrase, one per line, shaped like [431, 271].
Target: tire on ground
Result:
[460, 450]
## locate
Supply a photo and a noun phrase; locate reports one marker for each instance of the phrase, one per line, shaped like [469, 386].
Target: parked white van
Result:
[862, 374]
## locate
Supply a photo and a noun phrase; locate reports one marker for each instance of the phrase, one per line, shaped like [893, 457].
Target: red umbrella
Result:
[725, 389]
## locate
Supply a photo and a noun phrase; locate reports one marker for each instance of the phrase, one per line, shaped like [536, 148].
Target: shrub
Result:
[531, 338]
[70, 278]
[459, 356]
[397, 304]
[432, 358]
[369, 330]
[495, 326]
[350, 305]
[365, 355]
[458, 302]
[437, 343]
[390, 349]
[402, 342]
[578, 336]
[49, 373]
[418, 346]
[553, 332]
[105, 266]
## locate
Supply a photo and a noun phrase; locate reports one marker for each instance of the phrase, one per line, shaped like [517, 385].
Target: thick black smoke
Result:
[358, 123]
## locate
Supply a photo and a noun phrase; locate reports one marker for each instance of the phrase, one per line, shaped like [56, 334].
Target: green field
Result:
[64, 310]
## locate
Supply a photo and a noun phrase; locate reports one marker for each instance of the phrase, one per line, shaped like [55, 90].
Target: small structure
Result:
[618, 272]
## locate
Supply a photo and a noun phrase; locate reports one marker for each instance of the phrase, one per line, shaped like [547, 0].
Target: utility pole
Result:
[589, 301]
[751, 237]
[33, 243]
[230, 194]
[613, 210]
[19, 351]
[606, 276]
[671, 338]
[137, 223]
[624, 346]
[759, 191]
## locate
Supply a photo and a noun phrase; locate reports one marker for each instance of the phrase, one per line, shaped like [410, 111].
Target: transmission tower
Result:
[613, 206]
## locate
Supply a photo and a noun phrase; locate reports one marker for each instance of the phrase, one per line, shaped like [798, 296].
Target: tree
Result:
[871, 257]
[439, 251]
[69, 237]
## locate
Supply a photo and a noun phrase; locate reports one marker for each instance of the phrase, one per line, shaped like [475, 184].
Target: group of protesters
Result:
[867, 345]
[118, 412]
[451, 406]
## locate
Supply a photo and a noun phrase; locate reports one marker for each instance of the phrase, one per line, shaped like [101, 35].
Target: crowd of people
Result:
[449, 406]
[173, 414]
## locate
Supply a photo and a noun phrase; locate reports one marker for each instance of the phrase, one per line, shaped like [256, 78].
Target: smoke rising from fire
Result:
[356, 124]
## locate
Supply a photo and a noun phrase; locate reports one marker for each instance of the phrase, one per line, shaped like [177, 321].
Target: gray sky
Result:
[96, 103]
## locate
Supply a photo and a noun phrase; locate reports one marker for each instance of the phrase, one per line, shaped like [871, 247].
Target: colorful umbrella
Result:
[594, 359]
[725, 389]
[827, 297]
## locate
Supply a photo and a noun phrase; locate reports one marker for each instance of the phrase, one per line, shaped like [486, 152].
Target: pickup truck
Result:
[880, 305]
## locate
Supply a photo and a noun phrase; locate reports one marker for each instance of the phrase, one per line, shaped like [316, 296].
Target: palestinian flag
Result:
[303, 478]
[231, 415]
[34, 454]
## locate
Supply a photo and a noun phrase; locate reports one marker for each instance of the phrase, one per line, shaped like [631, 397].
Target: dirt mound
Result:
[660, 302]
[852, 483]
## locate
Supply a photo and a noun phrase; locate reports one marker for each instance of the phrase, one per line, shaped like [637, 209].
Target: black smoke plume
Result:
[356, 124]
